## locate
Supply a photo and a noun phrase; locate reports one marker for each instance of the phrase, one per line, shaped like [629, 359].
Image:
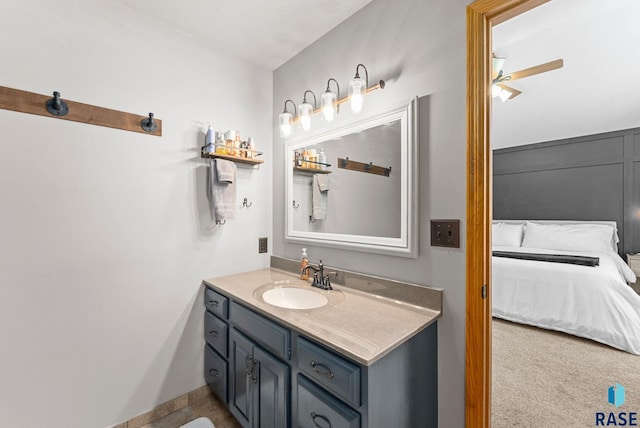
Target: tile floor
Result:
[178, 412]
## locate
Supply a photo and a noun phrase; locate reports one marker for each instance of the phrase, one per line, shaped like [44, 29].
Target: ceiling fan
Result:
[504, 92]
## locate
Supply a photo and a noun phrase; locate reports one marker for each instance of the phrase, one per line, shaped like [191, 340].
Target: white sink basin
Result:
[294, 298]
[296, 294]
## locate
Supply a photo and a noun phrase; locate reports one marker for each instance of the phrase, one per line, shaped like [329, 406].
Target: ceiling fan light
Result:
[498, 63]
[495, 91]
[504, 94]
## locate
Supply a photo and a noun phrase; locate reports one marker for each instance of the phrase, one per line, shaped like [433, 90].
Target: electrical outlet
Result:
[262, 245]
[445, 233]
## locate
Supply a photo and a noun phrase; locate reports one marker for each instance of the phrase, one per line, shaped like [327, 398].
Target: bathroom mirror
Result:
[355, 186]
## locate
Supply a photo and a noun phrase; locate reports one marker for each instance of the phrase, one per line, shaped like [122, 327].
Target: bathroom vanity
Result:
[360, 360]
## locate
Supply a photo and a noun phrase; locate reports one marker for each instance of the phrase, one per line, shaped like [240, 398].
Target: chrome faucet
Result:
[320, 280]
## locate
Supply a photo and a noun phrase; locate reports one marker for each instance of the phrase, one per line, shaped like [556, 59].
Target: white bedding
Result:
[591, 302]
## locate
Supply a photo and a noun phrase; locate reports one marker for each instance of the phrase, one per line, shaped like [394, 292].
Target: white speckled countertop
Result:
[363, 326]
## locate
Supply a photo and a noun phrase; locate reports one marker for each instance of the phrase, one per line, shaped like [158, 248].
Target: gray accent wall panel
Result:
[595, 177]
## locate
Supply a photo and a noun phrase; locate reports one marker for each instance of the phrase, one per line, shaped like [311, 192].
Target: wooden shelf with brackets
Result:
[239, 159]
[310, 170]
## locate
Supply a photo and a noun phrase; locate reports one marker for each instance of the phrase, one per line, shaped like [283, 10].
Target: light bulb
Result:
[304, 114]
[328, 105]
[285, 120]
[356, 94]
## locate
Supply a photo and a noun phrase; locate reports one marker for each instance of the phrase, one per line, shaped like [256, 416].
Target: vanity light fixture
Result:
[285, 119]
[329, 101]
[305, 110]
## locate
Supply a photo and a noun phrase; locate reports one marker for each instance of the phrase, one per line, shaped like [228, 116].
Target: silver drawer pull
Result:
[214, 333]
[214, 302]
[213, 372]
[327, 422]
[326, 371]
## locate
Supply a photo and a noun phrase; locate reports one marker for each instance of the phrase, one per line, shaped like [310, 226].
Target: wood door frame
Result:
[482, 15]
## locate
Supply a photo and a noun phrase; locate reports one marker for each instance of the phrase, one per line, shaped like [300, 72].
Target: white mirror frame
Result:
[407, 244]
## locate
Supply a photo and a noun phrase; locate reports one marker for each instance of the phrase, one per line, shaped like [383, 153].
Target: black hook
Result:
[56, 106]
[295, 206]
[311, 219]
[246, 203]
[221, 222]
[149, 124]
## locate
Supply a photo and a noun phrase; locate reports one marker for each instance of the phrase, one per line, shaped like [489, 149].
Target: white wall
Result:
[418, 47]
[105, 235]
[596, 89]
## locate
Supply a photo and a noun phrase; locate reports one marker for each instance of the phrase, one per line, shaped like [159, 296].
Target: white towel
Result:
[320, 188]
[222, 185]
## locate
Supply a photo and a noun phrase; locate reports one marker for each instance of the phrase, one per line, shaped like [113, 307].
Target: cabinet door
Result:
[241, 378]
[272, 391]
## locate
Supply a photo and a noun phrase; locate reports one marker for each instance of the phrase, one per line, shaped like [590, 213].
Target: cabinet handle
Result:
[213, 372]
[326, 371]
[315, 416]
[214, 302]
[214, 333]
[250, 368]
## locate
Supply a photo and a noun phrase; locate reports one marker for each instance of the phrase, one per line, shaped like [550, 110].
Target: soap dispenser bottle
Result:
[304, 262]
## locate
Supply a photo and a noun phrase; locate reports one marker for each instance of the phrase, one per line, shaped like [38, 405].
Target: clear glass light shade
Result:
[286, 120]
[357, 88]
[329, 100]
[304, 114]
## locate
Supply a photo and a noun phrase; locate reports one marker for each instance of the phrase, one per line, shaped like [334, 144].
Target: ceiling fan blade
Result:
[514, 92]
[542, 68]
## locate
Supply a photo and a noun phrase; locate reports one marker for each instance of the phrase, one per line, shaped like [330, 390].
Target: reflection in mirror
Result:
[355, 186]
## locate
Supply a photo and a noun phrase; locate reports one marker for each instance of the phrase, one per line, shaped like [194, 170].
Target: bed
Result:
[593, 302]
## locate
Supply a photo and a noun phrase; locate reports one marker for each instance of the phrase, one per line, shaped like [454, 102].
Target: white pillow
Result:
[569, 237]
[506, 234]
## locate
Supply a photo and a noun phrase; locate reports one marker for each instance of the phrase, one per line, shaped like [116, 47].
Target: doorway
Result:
[482, 15]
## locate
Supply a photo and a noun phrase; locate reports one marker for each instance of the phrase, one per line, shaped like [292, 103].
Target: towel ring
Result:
[245, 203]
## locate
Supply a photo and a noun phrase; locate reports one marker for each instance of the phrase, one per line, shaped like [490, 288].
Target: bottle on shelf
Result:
[251, 147]
[304, 262]
[322, 158]
[209, 139]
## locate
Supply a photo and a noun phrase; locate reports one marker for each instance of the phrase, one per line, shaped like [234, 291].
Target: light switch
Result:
[445, 233]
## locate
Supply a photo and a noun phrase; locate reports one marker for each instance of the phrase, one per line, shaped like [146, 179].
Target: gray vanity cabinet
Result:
[259, 385]
[269, 375]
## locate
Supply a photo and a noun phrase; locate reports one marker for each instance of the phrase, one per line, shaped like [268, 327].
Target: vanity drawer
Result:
[215, 372]
[316, 408]
[216, 303]
[270, 335]
[216, 333]
[335, 373]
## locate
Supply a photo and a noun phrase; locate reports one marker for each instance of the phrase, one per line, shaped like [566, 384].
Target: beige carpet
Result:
[549, 379]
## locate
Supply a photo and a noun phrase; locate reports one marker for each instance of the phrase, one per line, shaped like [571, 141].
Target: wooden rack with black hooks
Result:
[56, 107]
[346, 163]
